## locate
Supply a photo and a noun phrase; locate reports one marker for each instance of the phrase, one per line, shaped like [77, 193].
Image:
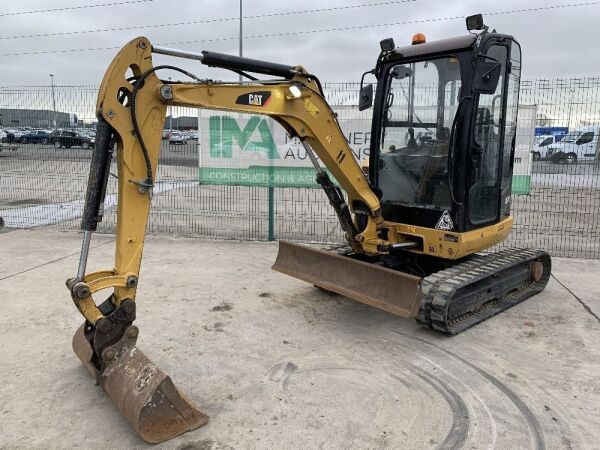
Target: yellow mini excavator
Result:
[436, 193]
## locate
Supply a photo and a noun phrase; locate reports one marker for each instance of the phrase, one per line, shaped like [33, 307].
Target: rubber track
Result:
[439, 289]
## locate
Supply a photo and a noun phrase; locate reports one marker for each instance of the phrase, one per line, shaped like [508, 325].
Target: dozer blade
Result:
[144, 394]
[396, 292]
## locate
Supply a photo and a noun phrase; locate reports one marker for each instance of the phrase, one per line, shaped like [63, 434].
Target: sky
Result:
[559, 42]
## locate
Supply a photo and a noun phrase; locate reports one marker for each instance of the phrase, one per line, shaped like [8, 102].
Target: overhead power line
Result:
[68, 8]
[326, 30]
[379, 25]
[220, 19]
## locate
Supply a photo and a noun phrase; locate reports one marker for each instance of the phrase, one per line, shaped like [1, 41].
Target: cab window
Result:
[585, 138]
[421, 103]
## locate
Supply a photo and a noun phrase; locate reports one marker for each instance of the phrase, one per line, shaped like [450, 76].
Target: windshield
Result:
[571, 137]
[421, 103]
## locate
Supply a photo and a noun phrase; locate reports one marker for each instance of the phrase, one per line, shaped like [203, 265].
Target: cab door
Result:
[493, 137]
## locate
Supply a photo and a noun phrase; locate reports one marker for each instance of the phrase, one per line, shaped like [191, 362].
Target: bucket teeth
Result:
[144, 394]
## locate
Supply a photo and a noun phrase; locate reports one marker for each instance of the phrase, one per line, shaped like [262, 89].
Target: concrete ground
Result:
[277, 363]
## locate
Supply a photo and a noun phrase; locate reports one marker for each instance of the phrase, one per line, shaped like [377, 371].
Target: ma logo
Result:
[255, 137]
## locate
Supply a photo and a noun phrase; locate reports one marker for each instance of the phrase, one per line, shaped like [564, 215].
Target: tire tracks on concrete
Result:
[530, 418]
[459, 432]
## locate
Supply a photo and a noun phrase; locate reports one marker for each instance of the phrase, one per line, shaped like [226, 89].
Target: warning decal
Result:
[445, 222]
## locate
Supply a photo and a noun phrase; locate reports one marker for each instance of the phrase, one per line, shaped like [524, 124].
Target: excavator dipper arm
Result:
[131, 108]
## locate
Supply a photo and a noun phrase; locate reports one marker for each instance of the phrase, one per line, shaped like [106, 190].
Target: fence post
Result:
[271, 195]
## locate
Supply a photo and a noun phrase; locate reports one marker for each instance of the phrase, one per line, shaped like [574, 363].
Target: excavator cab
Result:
[443, 131]
[441, 161]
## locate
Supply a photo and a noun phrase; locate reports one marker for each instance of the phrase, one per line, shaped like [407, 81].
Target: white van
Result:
[578, 145]
[541, 145]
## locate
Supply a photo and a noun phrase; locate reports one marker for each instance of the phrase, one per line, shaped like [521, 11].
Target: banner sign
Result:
[252, 150]
[524, 140]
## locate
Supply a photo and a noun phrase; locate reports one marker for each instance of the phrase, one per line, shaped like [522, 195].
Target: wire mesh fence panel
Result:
[48, 135]
[562, 209]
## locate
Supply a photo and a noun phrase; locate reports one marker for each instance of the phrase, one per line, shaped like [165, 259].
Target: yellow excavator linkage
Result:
[131, 115]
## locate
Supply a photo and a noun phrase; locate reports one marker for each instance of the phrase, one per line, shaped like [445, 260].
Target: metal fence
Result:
[41, 185]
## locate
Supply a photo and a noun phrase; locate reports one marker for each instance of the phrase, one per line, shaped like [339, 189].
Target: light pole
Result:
[53, 99]
[241, 35]
[571, 91]
[170, 114]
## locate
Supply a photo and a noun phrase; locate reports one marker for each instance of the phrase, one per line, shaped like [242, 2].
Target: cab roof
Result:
[434, 47]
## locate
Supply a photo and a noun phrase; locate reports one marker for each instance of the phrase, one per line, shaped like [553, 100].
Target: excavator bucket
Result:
[144, 394]
[396, 292]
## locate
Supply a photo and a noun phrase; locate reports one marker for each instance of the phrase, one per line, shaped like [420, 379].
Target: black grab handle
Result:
[223, 61]
[98, 179]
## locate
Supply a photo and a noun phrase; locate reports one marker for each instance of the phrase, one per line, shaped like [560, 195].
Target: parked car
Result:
[541, 146]
[192, 135]
[177, 137]
[13, 136]
[35, 137]
[10, 136]
[86, 132]
[578, 145]
[3, 136]
[68, 139]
